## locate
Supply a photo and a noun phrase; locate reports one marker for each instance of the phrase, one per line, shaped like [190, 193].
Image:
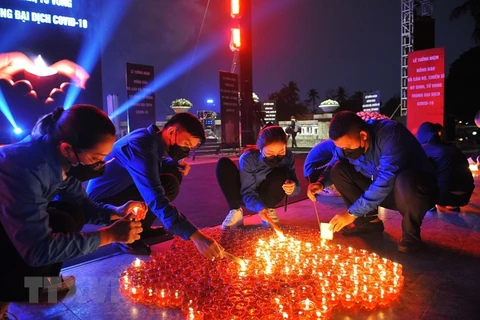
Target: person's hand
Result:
[207, 246]
[11, 63]
[137, 208]
[183, 167]
[341, 220]
[288, 187]
[313, 189]
[125, 230]
[73, 71]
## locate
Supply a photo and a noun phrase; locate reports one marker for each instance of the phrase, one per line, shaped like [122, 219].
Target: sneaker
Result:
[59, 284]
[409, 246]
[234, 219]
[272, 214]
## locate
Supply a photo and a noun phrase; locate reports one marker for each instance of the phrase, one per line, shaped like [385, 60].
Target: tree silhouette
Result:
[330, 94]
[462, 94]
[341, 95]
[471, 7]
[291, 92]
[391, 105]
[313, 96]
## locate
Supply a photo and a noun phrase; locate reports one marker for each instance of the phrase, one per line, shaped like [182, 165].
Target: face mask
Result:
[273, 161]
[84, 172]
[177, 152]
[354, 153]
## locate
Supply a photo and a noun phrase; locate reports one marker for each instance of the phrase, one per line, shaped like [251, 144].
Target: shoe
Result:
[364, 228]
[59, 284]
[234, 219]
[409, 246]
[138, 248]
[272, 214]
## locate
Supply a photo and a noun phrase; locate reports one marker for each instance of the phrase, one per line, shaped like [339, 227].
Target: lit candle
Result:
[307, 304]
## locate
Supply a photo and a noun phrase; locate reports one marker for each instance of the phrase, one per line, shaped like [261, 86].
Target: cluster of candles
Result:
[298, 276]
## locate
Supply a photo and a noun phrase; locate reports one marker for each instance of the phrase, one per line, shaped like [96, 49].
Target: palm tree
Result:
[313, 95]
[471, 7]
[291, 93]
[341, 95]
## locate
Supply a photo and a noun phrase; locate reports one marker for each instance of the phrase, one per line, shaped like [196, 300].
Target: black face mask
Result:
[272, 161]
[177, 152]
[84, 172]
[354, 153]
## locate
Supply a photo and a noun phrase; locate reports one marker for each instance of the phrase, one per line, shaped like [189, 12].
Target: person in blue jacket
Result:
[379, 163]
[318, 159]
[266, 175]
[455, 180]
[148, 166]
[44, 207]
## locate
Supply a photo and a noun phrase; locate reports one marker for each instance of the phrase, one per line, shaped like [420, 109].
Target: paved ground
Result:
[441, 282]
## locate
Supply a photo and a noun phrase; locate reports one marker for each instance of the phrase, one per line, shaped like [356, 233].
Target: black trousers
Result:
[171, 179]
[454, 200]
[63, 217]
[270, 190]
[414, 193]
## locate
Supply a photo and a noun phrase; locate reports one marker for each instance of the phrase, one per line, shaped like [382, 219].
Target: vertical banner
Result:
[142, 113]
[426, 87]
[269, 109]
[371, 101]
[229, 110]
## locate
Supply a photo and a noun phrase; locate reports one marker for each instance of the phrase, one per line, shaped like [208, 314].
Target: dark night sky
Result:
[319, 44]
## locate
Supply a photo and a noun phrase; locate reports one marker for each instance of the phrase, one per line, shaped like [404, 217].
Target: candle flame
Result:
[137, 263]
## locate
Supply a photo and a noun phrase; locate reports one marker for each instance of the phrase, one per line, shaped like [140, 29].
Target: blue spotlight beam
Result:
[6, 110]
[171, 73]
[111, 14]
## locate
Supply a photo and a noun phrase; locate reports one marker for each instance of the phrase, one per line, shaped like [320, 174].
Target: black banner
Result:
[142, 113]
[229, 110]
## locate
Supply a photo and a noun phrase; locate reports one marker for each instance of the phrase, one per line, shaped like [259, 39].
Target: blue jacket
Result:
[138, 160]
[30, 178]
[450, 163]
[392, 149]
[321, 156]
[253, 170]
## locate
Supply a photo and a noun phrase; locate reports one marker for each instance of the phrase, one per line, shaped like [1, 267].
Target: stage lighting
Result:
[235, 40]
[17, 130]
[210, 101]
[235, 9]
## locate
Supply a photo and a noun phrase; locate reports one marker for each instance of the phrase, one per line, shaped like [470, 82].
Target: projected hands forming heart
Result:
[23, 78]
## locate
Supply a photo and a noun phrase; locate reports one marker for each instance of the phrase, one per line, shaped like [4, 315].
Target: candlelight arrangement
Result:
[297, 276]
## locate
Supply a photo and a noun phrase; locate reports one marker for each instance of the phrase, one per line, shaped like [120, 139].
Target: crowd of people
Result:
[133, 181]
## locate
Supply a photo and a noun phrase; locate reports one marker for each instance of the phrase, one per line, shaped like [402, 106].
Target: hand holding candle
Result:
[137, 208]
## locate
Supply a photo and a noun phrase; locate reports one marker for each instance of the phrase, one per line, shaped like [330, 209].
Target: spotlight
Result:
[17, 130]
[210, 101]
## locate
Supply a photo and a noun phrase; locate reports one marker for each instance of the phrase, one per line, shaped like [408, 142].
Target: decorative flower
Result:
[329, 102]
[182, 103]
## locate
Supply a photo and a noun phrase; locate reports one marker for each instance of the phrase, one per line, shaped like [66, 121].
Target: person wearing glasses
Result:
[149, 164]
[44, 207]
[266, 175]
